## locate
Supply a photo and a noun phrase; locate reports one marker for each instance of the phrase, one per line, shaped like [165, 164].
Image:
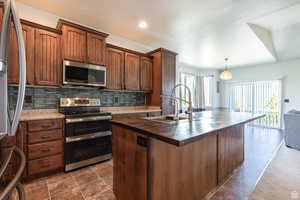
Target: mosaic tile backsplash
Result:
[47, 98]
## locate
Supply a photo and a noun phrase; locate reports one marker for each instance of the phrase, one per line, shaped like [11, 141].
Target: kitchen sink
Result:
[166, 119]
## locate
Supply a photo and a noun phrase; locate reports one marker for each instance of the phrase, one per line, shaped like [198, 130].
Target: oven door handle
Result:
[87, 119]
[88, 136]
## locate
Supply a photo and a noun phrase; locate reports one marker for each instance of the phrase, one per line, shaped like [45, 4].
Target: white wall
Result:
[181, 67]
[288, 72]
[48, 19]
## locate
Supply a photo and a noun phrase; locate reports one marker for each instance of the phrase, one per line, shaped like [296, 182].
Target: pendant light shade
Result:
[226, 74]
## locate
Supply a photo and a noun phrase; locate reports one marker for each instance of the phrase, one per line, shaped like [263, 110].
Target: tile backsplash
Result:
[47, 98]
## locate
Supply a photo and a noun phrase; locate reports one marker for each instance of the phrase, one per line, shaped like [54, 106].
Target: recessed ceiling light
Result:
[143, 25]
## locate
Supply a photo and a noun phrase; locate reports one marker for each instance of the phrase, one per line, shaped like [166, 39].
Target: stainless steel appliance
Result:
[88, 137]
[75, 73]
[8, 124]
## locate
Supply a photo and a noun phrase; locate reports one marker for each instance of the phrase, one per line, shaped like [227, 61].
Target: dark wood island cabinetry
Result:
[175, 161]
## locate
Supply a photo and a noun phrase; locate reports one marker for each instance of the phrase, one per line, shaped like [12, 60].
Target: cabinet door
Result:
[230, 151]
[132, 72]
[168, 80]
[146, 74]
[130, 165]
[13, 57]
[74, 44]
[115, 69]
[48, 61]
[95, 49]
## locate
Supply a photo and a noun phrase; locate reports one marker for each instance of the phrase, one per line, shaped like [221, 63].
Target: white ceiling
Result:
[203, 32]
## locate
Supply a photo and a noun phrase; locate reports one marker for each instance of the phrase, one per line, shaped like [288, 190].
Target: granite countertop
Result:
[131, 110]
[29, 115]
[41, 114]
[185, 131]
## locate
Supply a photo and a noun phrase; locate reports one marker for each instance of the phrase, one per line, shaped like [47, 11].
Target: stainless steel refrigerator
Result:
[8, 123]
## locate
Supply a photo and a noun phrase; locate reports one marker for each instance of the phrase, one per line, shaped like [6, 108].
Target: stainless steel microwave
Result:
[75, 73]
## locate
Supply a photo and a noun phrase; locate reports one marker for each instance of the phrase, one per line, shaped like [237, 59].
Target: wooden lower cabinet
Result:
[230, 151]
[44, 147]
[130, 165]
[146, 168]
[42, 143]
[44, 165]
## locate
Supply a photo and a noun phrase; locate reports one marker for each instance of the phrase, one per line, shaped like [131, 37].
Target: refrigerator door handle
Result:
[22, 67]
[11, 12]
[4, 118]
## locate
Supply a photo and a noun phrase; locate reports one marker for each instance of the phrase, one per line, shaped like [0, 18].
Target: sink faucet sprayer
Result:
[175, 99]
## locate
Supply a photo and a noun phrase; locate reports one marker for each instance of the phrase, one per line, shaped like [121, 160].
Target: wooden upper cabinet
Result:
[115, 69]
[48, 61]
[74, 44]
[13, 57]
[146, 74]
[96, 49]
[132, 71]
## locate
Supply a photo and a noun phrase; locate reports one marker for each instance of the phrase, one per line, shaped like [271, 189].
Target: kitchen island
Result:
[184, 160]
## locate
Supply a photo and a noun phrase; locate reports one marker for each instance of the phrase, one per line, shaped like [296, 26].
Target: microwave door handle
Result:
[4, 117]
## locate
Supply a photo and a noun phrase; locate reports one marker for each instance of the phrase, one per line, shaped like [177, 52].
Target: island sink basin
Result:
[168, 119]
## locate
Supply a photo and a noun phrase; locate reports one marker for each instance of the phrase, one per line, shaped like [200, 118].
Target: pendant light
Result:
[226, 74]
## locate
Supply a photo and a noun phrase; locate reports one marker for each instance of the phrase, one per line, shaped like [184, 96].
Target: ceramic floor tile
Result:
[107, 195]
[85, 177]
[62, 186]
[68, 194]
[105, 171]
[37, 193]
[92, 190]
[108, 180]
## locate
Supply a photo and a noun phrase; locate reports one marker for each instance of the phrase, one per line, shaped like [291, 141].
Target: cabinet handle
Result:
[46, 137]
[45, 166]
[45, 150]
[46, 126]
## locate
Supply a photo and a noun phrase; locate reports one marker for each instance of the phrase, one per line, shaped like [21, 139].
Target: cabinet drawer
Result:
[44, 149]
[41, 125]
[45, 136]
[45, 164]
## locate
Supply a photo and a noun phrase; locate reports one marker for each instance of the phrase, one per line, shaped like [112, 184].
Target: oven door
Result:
[87, 125]
[75, 73]
[87, 149]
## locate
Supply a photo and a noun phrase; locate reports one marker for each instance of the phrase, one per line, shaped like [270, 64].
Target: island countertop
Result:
[184, 131]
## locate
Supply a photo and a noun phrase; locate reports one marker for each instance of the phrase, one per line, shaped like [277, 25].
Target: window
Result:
[201, 90]
[260, 97]
[190, 81]
[207, 83]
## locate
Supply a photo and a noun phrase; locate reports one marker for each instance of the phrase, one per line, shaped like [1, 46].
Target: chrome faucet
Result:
[175, 100]
[190, 109]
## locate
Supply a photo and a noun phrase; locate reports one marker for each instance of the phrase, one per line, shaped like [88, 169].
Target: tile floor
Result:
[91, 183]
[95, 182]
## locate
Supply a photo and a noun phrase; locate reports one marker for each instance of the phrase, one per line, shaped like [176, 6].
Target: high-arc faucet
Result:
[190, 109]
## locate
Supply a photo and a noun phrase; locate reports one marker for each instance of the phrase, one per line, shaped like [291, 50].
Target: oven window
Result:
[86, 149]
[84, 75]
[82, 128]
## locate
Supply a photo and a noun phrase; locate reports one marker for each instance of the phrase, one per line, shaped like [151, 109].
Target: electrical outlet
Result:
[116, 99]
[28, 99]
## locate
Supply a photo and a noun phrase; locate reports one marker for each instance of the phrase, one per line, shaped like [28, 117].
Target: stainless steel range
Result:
[87, 132]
